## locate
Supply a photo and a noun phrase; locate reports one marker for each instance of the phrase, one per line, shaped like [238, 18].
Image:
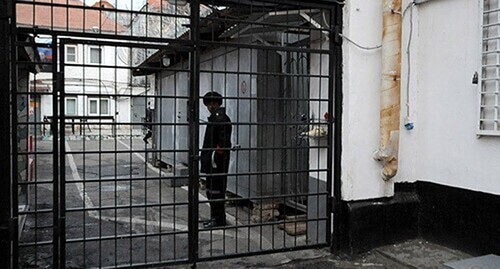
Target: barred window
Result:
[489, 113]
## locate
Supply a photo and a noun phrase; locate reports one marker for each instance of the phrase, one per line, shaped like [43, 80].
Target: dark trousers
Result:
[148, 135]
[216, 189]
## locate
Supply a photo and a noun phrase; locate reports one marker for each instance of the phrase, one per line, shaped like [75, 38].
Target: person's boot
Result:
[219, 214]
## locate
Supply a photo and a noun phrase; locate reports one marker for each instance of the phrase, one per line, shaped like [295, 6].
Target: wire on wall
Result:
[375, 47]
[360, 46]
[408, 56]
[409, 7]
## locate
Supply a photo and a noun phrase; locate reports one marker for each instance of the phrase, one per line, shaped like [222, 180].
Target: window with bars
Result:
[489, 112]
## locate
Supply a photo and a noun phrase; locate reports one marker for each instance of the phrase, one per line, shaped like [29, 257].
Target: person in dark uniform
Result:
[149, 127]
[215, 156]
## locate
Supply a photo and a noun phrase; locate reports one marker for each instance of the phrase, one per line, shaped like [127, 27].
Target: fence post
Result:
[194, 93]
[5, 137]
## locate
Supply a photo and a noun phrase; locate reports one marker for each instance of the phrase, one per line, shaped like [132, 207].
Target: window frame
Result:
[98, 106]
[101, 49]
[107, 106]
[66, 53]
[66, 106]
[89, 112]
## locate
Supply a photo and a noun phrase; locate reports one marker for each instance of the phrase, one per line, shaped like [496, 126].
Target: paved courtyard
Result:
[120, 209]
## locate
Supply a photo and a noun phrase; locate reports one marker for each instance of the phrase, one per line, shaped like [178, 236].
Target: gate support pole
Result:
[336, 64]
[5, 137]
[194, 93]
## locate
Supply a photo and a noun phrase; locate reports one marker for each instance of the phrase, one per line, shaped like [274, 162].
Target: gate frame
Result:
[7, 219]
[8, 188]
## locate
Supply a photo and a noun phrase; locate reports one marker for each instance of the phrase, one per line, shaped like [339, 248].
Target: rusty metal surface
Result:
[390, 91]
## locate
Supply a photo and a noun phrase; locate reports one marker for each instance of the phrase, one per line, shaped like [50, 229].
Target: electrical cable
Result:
[360, 46]
[408, 55]
[409, 7]
[379, 46]
[339, 2]
[348, 39]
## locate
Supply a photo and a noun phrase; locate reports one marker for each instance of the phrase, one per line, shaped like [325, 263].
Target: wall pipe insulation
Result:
[390, 90]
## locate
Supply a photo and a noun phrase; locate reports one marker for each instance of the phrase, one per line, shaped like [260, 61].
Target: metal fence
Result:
[110, 125]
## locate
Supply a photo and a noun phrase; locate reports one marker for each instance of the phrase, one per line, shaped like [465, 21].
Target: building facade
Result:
[449, 158]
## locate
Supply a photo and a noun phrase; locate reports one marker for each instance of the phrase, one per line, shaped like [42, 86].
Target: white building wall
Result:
[443, 148]
[449, 151]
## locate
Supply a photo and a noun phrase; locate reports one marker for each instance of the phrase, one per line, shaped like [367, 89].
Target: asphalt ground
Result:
[120, 210]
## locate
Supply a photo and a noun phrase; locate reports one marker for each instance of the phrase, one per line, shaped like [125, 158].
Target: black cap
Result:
[212, 97]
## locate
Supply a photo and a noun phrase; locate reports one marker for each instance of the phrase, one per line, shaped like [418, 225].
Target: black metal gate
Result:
[108, 125]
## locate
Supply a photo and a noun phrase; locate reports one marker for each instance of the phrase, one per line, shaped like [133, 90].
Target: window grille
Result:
[489, 112]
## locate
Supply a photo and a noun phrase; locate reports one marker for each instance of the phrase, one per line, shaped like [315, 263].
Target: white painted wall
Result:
[447, 102]
[443, 148]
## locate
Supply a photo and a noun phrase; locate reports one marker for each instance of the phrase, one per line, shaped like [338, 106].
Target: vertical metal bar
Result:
[145, 201]
[331, 98]
[115, 154]
[237, 127]
[55, 153]
[99, 146]
[86, 111]
[7, 210]
[194, 93]
[250, 103]
[336, 74]
[62, 164]
[14, 172]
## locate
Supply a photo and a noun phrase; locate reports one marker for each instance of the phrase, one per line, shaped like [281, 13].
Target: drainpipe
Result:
[390, 91]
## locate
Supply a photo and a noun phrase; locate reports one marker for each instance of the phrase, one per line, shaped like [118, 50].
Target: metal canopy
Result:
[297, 24]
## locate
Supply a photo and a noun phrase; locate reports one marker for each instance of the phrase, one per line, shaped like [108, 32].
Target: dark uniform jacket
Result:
[148, 118]
[217, 135]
